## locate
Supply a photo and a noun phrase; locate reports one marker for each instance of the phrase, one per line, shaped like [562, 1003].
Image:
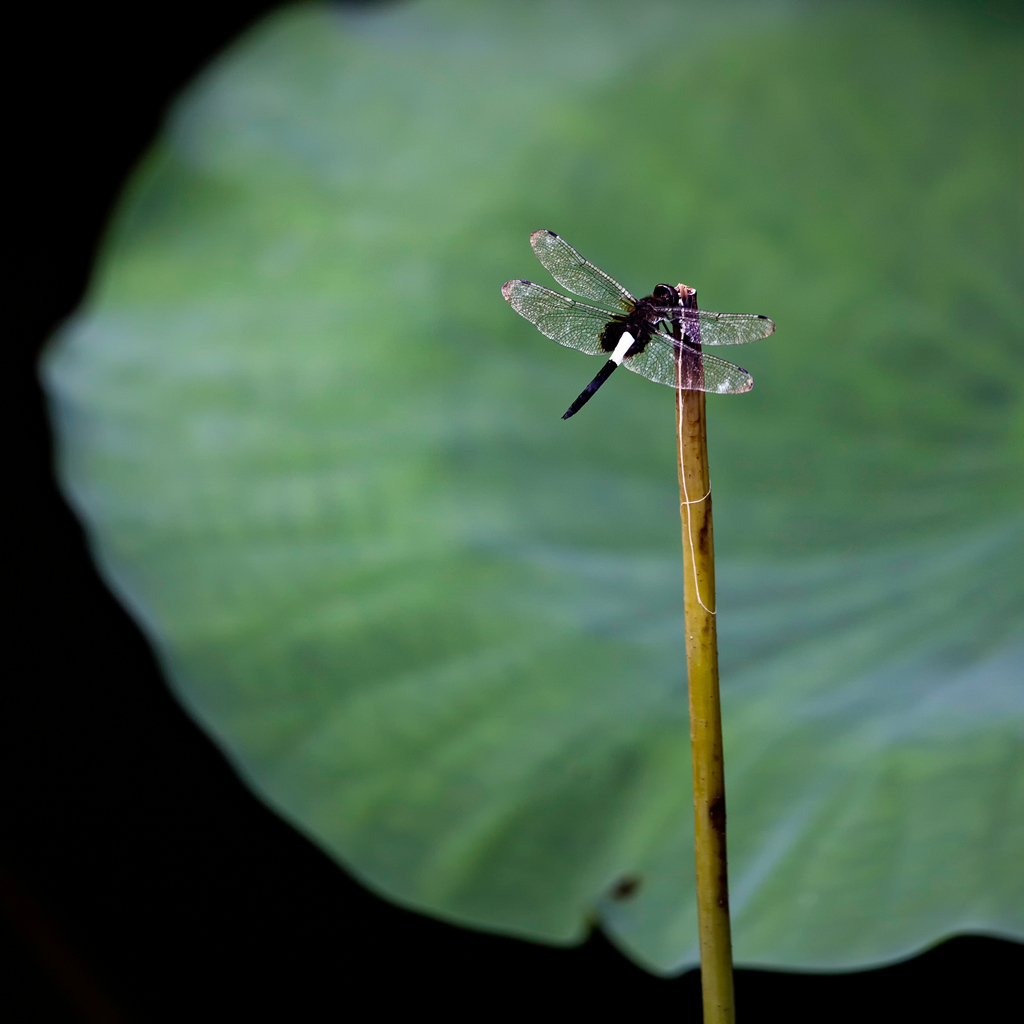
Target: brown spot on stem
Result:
[716, 815]
[704, 536]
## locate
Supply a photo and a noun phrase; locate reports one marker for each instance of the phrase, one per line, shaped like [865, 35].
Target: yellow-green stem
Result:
[705, 711]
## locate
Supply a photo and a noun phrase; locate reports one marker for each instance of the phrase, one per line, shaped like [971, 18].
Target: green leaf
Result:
[437, 628]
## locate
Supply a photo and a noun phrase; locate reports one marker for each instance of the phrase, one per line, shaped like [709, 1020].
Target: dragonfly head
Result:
[665, 295]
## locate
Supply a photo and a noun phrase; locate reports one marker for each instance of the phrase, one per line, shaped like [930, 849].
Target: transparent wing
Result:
[707, 328]
[570, 323]
[697, 371]
[576, 274]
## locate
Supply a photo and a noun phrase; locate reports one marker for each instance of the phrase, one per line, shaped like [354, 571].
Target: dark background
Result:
[139, 880]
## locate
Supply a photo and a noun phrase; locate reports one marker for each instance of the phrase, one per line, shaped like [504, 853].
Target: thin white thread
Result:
[688, 503]
[698, 500]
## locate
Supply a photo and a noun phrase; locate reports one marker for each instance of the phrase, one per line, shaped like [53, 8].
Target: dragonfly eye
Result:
[666, 293]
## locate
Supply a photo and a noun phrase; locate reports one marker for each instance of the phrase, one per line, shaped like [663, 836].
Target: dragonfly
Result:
[659, 336]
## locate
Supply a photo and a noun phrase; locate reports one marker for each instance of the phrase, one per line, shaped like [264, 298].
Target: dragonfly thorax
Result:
[641, 321]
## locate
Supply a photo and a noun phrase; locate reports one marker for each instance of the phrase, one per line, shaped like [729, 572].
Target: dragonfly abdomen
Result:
[613, 331]
[639, 327]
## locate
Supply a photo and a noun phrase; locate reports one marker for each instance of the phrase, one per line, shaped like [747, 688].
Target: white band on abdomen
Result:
[625, 342]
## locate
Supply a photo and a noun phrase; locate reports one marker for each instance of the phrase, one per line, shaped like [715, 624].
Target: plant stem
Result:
[705, 706]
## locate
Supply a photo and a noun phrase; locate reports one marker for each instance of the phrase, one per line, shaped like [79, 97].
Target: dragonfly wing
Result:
[576, 274]
[570, 323]
[707, 328]
[681, 365]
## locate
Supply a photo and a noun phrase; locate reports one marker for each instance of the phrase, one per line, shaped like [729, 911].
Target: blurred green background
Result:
[437, 628]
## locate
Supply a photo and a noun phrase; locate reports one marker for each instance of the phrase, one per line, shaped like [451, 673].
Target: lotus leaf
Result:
[438, 629]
